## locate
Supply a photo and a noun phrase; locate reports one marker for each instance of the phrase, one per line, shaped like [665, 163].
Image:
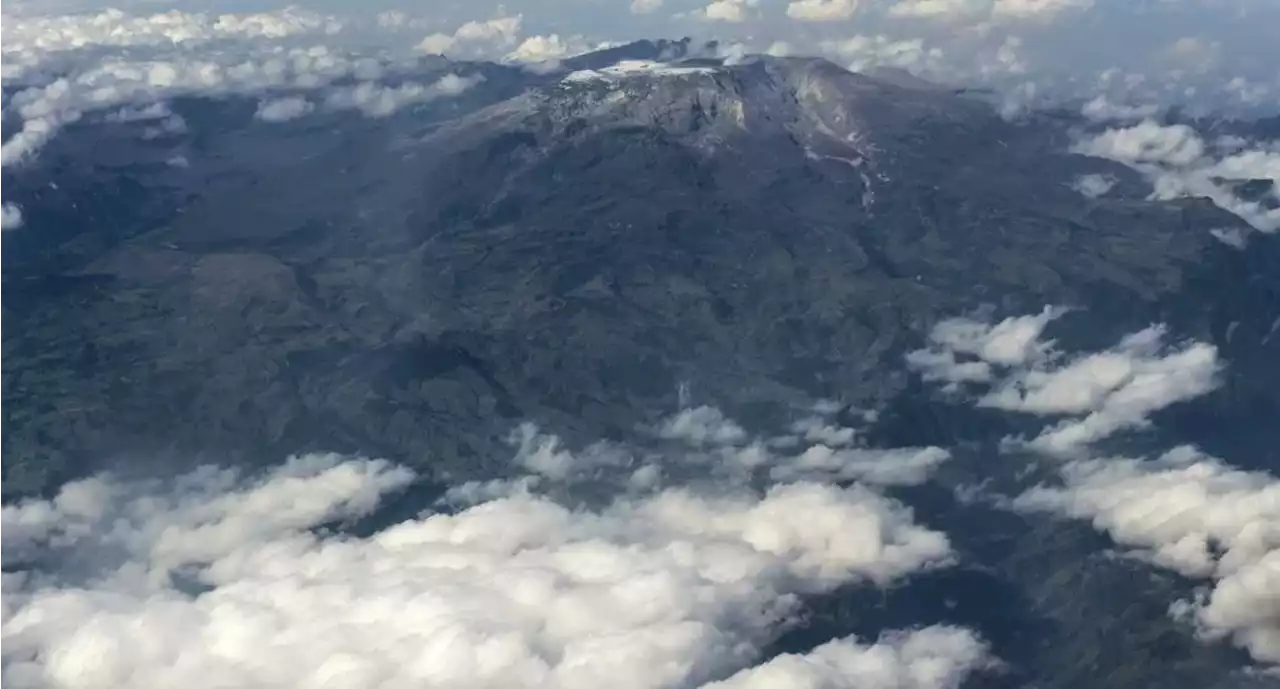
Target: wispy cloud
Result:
[10, 217]
[1094, 185]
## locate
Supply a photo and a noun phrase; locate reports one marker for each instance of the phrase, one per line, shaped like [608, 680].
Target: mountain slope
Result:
[567, 248]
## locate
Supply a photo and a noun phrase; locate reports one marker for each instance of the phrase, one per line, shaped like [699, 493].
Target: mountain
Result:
[580, 248]
[562, 247]
[567, 248]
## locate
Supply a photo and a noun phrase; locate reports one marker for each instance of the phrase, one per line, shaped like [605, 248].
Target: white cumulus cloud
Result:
[217, 579]
[822, 10]
[963, 350]
[1180, 163]
[1094, 185]
[475, 37]
[1101, 393]
[283, 109]
[10, 217]
[936, 657]
[1102, 109]
[733, 11]
[1184, 510]
[860, 53]
[1193, 514]
[116, 83]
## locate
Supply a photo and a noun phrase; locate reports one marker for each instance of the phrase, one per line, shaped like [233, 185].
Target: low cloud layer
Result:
[218, 579]
[931, 657]
[1191, 513]
[707, 443]
[122, 83]
[63, 67]
[1179, 162]
[814, 448]
[1010, 366]
[1184, 510]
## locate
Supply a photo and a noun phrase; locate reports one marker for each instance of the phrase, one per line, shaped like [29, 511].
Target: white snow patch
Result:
[634, 68]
